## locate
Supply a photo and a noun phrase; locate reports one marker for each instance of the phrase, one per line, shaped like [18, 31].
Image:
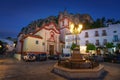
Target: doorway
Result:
[51, 49]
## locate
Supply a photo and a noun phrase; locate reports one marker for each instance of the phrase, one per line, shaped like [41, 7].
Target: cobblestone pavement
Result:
[11, 69]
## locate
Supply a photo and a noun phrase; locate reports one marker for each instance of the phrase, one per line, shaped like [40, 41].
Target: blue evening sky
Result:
[15, 14]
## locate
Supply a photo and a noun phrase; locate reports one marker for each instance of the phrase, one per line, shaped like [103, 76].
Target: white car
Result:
[29, 57]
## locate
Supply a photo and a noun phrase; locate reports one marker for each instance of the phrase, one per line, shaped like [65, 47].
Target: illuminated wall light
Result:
[0, 46]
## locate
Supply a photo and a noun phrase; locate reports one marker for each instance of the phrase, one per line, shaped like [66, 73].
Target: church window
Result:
[37, 42]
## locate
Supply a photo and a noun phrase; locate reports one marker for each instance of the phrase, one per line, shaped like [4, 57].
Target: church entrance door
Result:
[51, 49]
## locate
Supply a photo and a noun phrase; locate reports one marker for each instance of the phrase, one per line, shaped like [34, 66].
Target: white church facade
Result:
[43, 40]
[48, 38]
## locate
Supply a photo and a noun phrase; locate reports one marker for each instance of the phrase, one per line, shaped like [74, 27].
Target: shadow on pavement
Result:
[99, 78]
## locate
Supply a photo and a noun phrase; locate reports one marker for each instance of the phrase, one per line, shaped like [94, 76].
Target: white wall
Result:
[31, 46]
[45, 34]
[18, 46]
[92, 39]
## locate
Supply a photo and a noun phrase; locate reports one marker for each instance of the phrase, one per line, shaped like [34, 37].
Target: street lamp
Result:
[0, 46]
[75, 29]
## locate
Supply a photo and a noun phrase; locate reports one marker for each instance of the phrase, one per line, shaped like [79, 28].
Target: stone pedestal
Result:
[76, 56]
[79, 73]
[77, 67]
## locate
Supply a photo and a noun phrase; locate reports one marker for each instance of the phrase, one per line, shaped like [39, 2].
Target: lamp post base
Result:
[76, 54]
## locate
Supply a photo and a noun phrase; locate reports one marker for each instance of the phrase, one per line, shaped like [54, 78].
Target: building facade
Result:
[48, 36]
[99, 37]
[43, 40]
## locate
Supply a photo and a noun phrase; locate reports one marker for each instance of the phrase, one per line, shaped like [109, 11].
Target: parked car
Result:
[41, 57]
[116, 59]
[29, 57]
[108, 57]
[96, 58]
[53, 57]
[65, 56]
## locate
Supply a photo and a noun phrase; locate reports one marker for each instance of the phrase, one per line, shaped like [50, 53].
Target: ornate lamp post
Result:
[75, 29]
[76, 56]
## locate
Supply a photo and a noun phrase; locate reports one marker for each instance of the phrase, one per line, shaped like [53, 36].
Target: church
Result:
[49, 37]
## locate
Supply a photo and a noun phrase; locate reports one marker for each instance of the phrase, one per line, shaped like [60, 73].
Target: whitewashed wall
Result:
[31, 46]
[18, 46]
[91, 33]
[45, 34]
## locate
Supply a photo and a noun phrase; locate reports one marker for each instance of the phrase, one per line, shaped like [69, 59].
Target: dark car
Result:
[116, 59]
[65, 56]
[41, 57]
[108, 57]
[53, 57]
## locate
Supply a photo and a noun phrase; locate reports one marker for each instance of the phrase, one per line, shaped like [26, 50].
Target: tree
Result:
[73, 46]
[100, 22]
[118, 45]
[90, 46]
[109, 45]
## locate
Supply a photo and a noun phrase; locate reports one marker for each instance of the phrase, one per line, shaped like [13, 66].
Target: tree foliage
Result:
[100, 22]
[73, 46]
[90, 47]
[109, 45]
[118, 45]
[86, 20]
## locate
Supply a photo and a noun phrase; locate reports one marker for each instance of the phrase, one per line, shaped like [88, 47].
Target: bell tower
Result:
[64, 24]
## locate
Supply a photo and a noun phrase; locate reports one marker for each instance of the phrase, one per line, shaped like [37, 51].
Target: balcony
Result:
[86, 36]
[97, 44]
[104, 34]
[96, 35]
